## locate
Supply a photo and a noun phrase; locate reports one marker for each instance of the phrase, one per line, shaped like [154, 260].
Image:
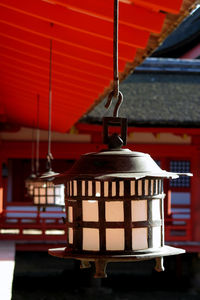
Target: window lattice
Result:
[180, 166]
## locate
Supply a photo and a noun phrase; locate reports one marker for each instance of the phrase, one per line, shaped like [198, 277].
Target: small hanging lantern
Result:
[45, 192]
[32, 181]
[29, 182]
[48, 194]
[114, 199]
[29, 185]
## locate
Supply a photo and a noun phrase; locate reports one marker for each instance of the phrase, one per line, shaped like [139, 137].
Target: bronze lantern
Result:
[114, 206]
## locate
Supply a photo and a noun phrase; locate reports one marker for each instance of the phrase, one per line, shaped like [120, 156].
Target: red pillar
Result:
[195, 193]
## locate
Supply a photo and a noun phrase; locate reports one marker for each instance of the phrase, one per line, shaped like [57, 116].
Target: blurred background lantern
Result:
[40, 187]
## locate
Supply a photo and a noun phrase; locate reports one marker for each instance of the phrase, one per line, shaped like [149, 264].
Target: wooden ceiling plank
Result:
[40, 61]
[31, 104]
[27, 105]
[14, 83]
[60, 70]
[72, 50]
[39, 87]
[170, 6]
[32, 72]
[68, 18]
[63, 51]
[57, 75]
[129, 14]
[128, 37]
[37, 52]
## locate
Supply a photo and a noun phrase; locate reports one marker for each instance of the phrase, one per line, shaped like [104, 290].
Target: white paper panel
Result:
[156, 189]
[89, 188]
[36, 200]
[156, 209]
[152, 183]
[75, 187]
[50, 191]
[90, 210]
[91, 239]
[121, 188]
[132, 187]
[70, 188]
[146, 186]
[58, 189]
[115, 239]
[50, 199]
[42, 191]
[114, 211]
[98, 189]
[83, 187]
[156, 236]
[105, 188]
[139, 187]
[42, 200]
[70, 214]
[139, 238]
[70, 235]
[139, 210]
[113, 188]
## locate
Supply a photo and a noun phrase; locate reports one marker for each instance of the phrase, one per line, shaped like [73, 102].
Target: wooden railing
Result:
[27, 224]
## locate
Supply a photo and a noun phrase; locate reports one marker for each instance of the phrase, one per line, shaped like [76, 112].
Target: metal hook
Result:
[118, 104]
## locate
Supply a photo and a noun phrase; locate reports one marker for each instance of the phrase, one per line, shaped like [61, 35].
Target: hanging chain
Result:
[49, 155]
[32, 152]
[37, 138]
[115, 92]
[115, 49]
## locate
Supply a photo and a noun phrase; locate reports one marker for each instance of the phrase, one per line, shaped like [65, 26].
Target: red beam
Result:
[36, 51]
[129, 14]
[91, 128]
[84, 22]
[171, 6]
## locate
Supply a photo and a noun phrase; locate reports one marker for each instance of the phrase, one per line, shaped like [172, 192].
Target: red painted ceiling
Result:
[82, 53]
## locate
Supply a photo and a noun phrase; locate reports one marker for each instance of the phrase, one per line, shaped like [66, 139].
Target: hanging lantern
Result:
[114, 199]
[114, 206]
[45, 192]
[29, 185]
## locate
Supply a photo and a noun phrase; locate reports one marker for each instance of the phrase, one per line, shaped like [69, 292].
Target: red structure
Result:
[82, 69]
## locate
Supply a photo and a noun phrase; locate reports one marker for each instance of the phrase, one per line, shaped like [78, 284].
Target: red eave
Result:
[82, 52]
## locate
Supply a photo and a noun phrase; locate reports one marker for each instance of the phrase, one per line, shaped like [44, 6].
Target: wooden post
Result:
[195, 195]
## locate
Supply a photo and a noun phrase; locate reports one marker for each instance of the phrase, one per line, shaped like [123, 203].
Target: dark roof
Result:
[182, 39]
[168, 95]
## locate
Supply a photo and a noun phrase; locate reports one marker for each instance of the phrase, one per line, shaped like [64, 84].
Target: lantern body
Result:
[30, 184]
[46, 193]
[114, 209]
[119, 216]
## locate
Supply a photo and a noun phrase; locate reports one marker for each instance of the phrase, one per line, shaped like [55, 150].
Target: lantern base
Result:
[101, 260]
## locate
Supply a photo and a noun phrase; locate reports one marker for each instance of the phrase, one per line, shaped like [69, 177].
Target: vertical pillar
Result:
[167, 190]
[195, 195]
[3, 182]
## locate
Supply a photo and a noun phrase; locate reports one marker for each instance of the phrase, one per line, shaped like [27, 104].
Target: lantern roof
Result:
[119, 164]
